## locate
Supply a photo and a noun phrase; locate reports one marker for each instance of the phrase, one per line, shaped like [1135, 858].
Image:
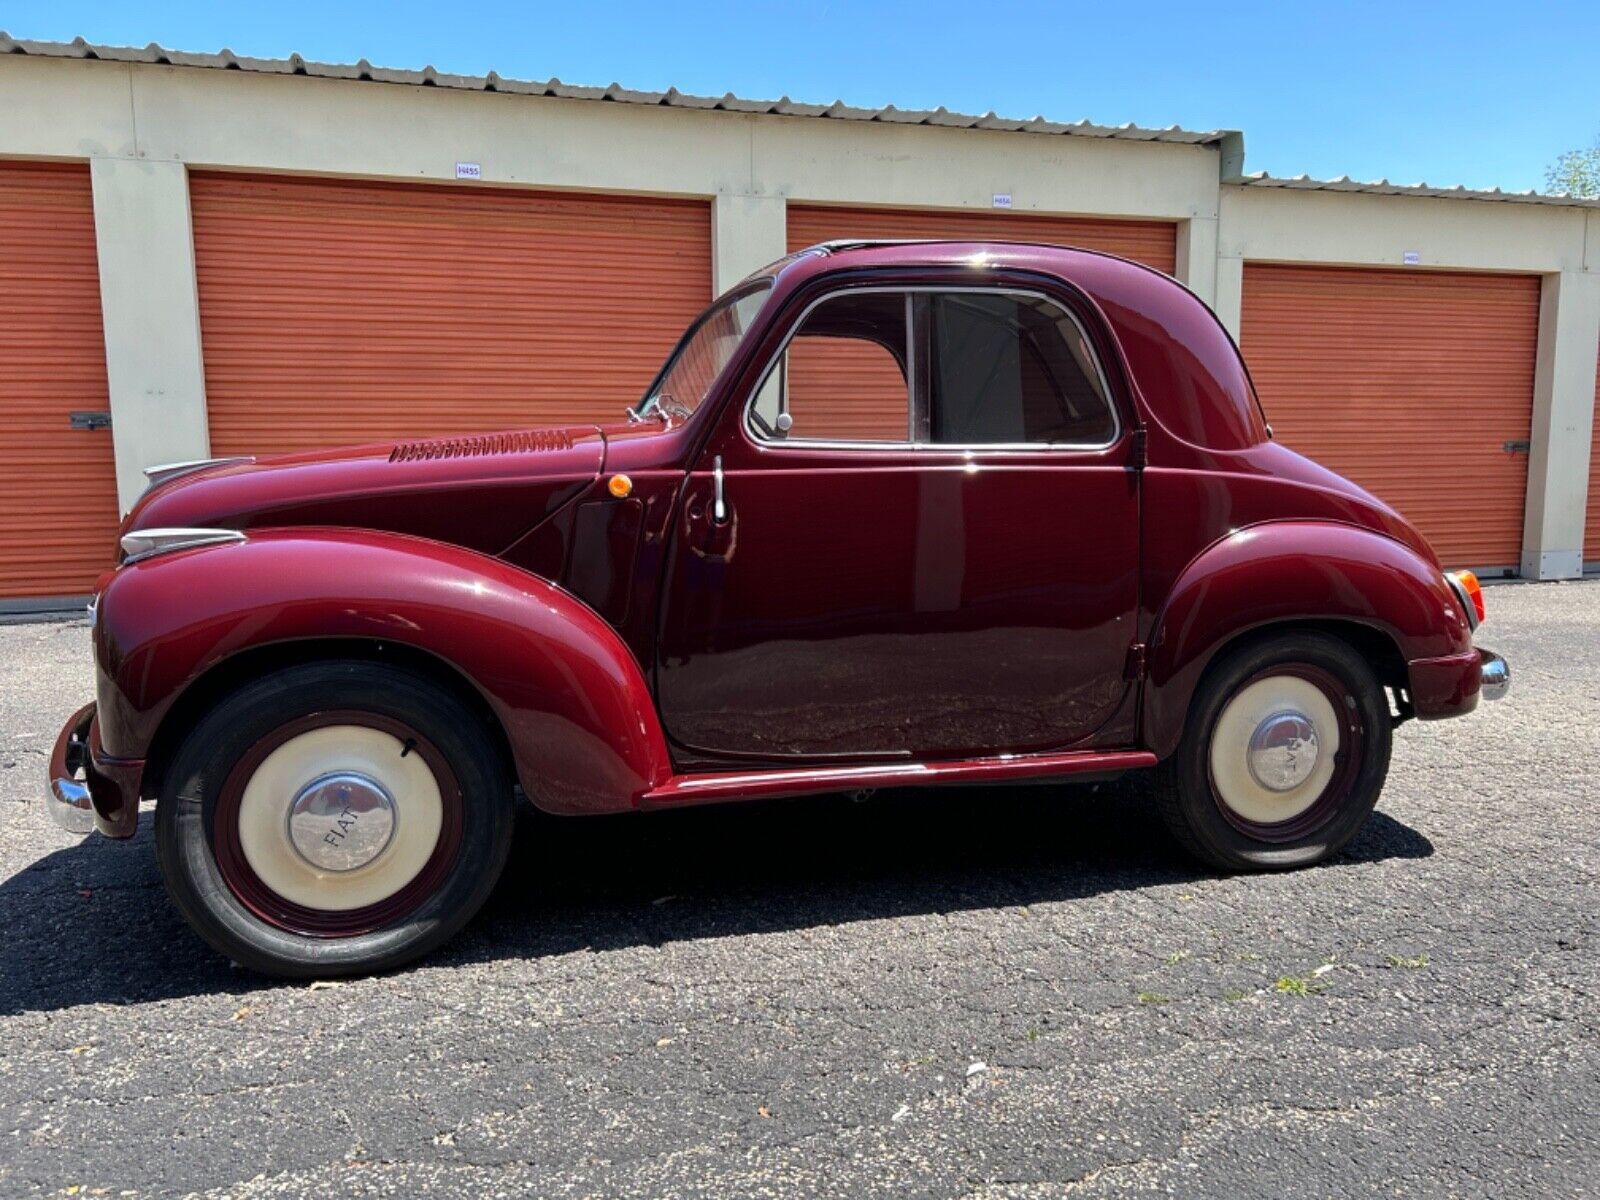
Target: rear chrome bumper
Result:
[69, 801]
[1494, 674]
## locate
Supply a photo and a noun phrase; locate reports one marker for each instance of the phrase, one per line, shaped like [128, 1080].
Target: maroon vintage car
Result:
[892, 513]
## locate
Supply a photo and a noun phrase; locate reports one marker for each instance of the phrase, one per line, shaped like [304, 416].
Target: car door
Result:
[916, 537]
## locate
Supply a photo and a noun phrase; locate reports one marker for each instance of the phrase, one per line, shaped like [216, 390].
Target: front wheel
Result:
[1284, 754]
[333, 818]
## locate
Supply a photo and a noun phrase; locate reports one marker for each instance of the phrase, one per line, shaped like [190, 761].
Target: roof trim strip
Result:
[364, 71]
[1383, 187]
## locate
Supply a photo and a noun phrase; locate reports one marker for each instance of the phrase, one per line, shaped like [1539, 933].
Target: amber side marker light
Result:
[620, 485]
[1474, 590]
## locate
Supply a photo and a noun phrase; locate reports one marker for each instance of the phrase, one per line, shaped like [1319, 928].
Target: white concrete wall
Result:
[141, 126]
[747, 233]
[1563, 412]
[150, 311]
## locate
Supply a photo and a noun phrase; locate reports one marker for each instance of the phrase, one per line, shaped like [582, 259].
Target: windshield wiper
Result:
[662, 406]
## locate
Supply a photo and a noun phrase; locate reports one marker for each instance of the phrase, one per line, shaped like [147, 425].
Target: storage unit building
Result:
[251, 256]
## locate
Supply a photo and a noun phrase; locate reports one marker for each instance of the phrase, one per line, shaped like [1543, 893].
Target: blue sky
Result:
[1466, 92]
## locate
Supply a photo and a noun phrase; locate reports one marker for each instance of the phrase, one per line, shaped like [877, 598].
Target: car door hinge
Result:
[1138, 457]
[1133, 669]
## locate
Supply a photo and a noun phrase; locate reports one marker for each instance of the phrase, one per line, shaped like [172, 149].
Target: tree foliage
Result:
[1577, 172]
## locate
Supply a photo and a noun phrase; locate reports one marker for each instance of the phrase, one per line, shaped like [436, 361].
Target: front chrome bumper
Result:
[69, 800]
[1494, 675]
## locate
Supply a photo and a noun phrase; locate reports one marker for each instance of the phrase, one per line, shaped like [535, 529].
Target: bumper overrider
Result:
[1494, 675]
[89, 790]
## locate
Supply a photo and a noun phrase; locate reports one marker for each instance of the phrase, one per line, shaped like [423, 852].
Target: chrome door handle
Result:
[719, 506]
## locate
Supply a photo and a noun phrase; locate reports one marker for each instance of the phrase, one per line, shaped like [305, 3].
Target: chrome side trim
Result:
[836, 245]
[920, 447]
[165, 471]
[147, 543]
[1496, 675]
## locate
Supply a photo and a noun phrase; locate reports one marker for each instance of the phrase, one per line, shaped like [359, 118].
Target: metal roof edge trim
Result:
[1382, 187]
[364, 71]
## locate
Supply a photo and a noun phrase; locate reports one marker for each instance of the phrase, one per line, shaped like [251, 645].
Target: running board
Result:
[713, 787]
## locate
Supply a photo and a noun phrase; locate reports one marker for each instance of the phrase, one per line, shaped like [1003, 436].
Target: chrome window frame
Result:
[912, 381]
[748, 286]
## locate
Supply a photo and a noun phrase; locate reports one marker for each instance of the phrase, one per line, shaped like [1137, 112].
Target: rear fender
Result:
[569, 695]
[1284, 572]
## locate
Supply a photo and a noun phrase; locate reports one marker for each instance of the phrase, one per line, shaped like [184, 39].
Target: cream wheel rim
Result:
[1273, 749]
[340, 817]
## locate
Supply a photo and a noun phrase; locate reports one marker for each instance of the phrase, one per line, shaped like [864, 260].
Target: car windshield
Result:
[699, 358]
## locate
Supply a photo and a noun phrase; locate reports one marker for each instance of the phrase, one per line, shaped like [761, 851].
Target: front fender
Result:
[1286, 571]
[569, 694]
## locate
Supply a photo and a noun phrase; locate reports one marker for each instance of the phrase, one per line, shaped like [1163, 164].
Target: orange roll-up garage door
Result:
[335, 311]
[58, 487]
[845, 395]
[1408, 382]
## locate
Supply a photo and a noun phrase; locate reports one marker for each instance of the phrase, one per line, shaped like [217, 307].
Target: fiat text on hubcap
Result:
[342, 821]
[1283, 751]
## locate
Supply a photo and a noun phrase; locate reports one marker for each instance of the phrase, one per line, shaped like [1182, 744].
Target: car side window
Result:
[1012, 368]
[843, 376]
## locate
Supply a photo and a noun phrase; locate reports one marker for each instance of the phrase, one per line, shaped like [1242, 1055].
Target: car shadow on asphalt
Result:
[92, 924]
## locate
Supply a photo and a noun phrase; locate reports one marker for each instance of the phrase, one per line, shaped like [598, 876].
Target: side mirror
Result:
[784, 423]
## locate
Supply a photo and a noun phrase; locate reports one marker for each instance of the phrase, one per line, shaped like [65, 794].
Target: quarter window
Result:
[1012, 369]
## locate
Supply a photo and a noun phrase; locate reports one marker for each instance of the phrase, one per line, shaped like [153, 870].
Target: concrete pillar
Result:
[1197, 256]
[1229, 298]
[1563, 412]
[151, 316]
[747, 232]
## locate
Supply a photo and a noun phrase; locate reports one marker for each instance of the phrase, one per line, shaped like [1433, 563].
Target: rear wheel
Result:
[334, 818]
[1284, 755]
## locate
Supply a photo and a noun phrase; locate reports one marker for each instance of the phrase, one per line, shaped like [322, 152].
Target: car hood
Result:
[481, 491]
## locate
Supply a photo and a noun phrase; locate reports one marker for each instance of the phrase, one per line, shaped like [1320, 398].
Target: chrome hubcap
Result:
[342, 821]
[1283, 751]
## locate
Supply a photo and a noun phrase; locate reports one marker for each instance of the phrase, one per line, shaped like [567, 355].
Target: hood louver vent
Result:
[490, 443]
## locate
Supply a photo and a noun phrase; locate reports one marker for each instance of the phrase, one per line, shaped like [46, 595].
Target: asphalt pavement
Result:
[1021, 993]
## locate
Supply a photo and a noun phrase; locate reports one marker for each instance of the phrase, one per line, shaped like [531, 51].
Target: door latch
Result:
[1518, 447]
[1133, 665]
[90, 420]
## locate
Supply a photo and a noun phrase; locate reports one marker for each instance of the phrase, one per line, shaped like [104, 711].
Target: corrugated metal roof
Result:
[616, 93]
[1383, 187]
[364, 71]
